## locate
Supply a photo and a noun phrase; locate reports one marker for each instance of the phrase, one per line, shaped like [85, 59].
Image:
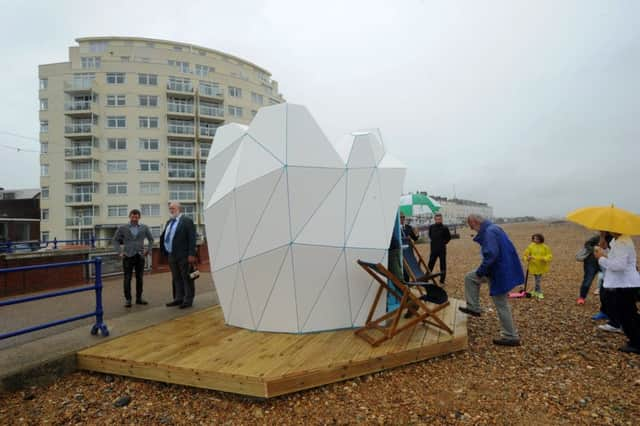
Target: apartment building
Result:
[128, 123]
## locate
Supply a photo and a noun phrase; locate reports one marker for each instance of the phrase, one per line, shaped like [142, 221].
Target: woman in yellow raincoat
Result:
[538, 256]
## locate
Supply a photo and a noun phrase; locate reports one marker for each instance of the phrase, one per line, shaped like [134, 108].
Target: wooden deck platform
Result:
[200, 350]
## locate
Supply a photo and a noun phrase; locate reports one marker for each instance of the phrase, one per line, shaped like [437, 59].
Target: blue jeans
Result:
[590, 271]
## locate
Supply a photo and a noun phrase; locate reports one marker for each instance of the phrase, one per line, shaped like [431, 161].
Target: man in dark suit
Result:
[178, 242]
[440, 236]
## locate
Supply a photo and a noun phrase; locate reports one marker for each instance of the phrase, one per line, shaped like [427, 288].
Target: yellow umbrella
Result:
[607, 218]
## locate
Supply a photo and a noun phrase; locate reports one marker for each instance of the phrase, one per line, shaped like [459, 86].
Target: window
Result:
[149, 144]
[117, 211]
[181, 148]
[189, 210]
[118, 188]
[117, 144]
[150, 209]
[115, 78]
[204, 150]
[177, 48]
[44, 236]
[257, 98]
[125, 59]
[203, 70]
[116, 122]
[44, 170]
[148, 79]
[263, 77]
[148, 101]
[116, 100]
[156, 231]
[98, 46]
[236, 92]
[44, 193]
[44, 104]
[149, 188]
[235, 111]
[182, 191]
[149, 165]
[182, 66]
[182, 169]
[150, 44]
[116, 166]
[44, 147]
[179, 84]
[44, 215]
[88, 62]
[44, 83]
[44, 126]
[148, 122]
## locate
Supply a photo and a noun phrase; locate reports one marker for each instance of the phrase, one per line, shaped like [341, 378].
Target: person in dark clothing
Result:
[440, 236]
[407, 230]
[590, 266]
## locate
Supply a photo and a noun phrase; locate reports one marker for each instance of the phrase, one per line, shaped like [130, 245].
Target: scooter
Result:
[523, 291]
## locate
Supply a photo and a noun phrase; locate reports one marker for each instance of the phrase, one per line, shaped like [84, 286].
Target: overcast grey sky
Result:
[531, 106]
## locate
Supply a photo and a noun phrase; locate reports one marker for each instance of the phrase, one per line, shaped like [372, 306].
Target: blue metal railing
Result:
[31, 245]
[98, 313]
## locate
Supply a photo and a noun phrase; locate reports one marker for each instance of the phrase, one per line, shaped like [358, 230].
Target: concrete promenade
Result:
[39, 356]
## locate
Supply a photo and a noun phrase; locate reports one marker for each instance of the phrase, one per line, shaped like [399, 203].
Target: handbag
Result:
[582, 254]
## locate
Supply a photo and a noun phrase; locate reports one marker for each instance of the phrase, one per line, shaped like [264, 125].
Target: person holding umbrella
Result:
[621, 276]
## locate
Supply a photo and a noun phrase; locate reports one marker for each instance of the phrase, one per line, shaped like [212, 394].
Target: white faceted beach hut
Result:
[288, 214]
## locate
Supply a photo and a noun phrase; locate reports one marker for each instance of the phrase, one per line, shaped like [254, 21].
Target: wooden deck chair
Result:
[389, 324]
[415, 266]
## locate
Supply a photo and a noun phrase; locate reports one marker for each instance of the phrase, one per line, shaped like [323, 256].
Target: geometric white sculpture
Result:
[288, 214]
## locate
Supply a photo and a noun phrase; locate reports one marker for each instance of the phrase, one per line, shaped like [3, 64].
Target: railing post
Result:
[9, 249]
[93, 241]
[99, 325]
[55, 242]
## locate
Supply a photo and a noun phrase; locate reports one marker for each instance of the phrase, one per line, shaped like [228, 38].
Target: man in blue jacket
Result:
[501, 268]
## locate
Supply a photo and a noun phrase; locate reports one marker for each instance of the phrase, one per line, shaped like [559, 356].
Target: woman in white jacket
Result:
[622, 276]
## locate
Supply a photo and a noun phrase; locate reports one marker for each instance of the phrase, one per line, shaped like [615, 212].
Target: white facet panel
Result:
[260, 275]
[306, 143]
[241, 315]
[225, 136]
[227, 182]
[362, 152]
[228, 250]
[343, 147]
[268, 127]
[273, 229]
[360, 282]
[326, 226]
[215, 170]
[390, 182]
[332, 309]
[217, 214]
[368, 230]
[357, 183]
[312, 267]
[225, 282]
[280, 311]
[251, 201]
[308, 187]
[255, 162]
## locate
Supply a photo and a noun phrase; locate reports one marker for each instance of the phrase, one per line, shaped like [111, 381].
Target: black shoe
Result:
[469, 311]
[629, 349]
[141, 302]
[174, 303]
[185, 305]
[127, 304]
[503, 341]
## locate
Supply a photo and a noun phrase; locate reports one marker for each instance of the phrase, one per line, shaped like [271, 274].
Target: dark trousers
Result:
[442, 255]
[183, 286]
[590, 271]
[129, 264]
[623, 300]
[608, 305]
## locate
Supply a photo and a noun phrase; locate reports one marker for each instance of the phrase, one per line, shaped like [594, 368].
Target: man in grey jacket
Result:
[129, 243]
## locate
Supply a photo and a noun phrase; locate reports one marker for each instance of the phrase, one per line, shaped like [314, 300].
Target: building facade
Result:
[19, 215]
[128, 123]
[456, 210]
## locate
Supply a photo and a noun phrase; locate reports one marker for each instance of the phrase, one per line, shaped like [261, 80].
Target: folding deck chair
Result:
[414, 264]
[389, 323]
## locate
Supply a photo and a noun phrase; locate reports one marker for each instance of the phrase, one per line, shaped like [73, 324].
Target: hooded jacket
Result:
[540, 258]
[500, 261]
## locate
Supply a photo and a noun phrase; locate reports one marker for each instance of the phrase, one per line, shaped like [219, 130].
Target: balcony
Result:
[180, 87]
[181, 130]
[211, 111]
[180, 152]
[79, 85]
[81, 175]
[179, 109]
[81, 152]
[213, 92]
[79, 221]
[78, 108]
[78, 198]
[78, 130]
[189, 174]
[207, 131]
